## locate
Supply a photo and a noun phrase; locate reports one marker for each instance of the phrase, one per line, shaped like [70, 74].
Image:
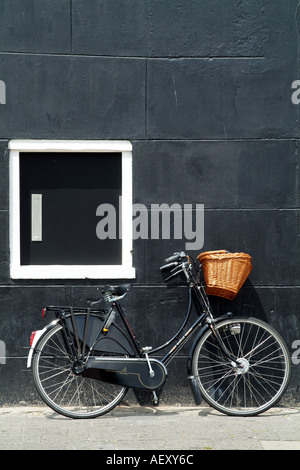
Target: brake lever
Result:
[172, 275]
[94, 302]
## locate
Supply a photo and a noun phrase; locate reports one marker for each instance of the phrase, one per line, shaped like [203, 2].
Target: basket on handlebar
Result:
[224, 272]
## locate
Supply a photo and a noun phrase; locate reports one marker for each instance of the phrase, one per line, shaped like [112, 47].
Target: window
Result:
[56, 190]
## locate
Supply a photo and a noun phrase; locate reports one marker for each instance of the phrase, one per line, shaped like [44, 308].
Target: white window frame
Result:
[18, 271]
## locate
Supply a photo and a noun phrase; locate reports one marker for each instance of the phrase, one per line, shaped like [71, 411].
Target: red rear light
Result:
[32, 337]
[44, 312]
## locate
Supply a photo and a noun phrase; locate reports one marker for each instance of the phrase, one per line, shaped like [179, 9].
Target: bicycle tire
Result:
[261, 382]
[71, 395]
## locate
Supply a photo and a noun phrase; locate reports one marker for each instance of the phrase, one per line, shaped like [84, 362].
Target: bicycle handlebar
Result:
[177, 260]
[175, 257]
[168, 266]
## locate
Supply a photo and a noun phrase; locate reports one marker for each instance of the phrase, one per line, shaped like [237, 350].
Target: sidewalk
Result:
[147, 428]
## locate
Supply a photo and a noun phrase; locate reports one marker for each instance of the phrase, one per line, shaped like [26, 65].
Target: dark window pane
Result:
[72, 185]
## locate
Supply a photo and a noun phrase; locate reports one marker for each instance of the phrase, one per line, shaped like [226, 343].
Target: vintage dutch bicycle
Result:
[85, 360]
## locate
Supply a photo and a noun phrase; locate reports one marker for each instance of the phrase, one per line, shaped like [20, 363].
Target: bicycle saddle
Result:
[118, 290]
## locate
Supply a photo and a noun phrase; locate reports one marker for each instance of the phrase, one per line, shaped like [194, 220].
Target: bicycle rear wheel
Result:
[67, 393]
[259, 383]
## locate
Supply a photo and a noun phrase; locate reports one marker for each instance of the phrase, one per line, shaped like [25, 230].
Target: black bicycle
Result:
[84, 361]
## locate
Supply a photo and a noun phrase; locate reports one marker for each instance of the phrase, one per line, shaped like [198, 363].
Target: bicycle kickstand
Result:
[154, 398]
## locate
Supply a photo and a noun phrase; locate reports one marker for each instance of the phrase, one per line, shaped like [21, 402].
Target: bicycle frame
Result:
[136, 362]
[181, 340]
[202, 323]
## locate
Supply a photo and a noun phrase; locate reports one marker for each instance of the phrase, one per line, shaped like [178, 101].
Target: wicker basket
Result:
[224, 272]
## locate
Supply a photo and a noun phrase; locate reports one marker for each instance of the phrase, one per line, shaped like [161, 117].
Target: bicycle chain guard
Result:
[127, 372]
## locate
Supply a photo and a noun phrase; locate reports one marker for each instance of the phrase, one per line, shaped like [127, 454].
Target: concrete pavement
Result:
[149, 428]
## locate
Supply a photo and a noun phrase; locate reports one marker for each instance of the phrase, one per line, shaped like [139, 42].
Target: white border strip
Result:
[70, 145]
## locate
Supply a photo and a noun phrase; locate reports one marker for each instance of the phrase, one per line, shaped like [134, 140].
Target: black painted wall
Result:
[202, 89]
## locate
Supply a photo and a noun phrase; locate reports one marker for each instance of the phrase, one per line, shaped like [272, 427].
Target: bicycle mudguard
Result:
[38, 335]
[127, 372]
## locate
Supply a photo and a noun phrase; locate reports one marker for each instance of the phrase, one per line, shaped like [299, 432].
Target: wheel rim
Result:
[258, 377]
[65, 391]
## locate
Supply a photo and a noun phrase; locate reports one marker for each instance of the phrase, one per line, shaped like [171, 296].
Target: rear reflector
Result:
[32, 337]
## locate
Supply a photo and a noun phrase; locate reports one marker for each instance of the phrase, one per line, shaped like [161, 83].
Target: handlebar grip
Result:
[173, 258]
[168, 266]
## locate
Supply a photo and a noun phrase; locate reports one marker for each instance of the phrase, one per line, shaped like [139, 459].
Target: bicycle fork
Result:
[236, 363]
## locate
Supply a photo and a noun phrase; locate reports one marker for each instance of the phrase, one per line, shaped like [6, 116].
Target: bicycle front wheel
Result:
[256, 380]
[67, 393]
